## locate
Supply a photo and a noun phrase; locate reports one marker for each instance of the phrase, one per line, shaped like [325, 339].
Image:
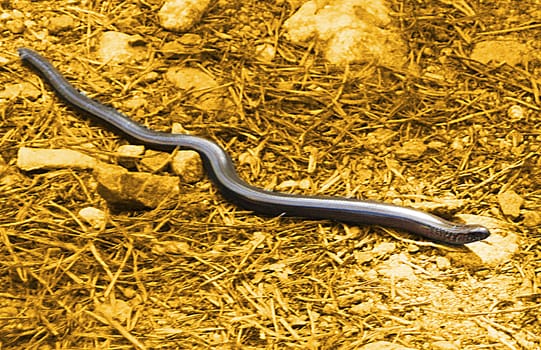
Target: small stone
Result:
[154, 161]
[181, 15]
[443, 263]
[118, 186]
[117, 47]
[129, 154]
[207, 92]
[61, 23]
[265, 52]
[509, 51]
[411, 149]
[188, 165]
[94, 217]
[532, 218]
[384, 248]
[16, 26]
[348, 31]
[25, 90]
[38, 158]
[510, 203]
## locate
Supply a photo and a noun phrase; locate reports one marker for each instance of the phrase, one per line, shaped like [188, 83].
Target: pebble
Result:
[508, 50]
[38, 158]
[411, 149]
[155, 161]
[188, 165]
[118, 47]
[510, 203]
[348, 31]
[94, 217]
[61, 23]
[118, 186]
[181, 15]
[203, 87]
[129, 154]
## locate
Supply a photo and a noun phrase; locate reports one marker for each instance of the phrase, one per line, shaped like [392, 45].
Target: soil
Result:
[199, 272]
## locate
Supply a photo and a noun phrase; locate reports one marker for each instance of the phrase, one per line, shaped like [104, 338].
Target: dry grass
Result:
[202, 273]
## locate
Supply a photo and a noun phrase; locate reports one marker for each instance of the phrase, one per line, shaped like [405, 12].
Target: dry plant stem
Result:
[222, 171]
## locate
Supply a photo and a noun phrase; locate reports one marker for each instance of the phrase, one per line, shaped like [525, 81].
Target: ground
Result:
[199, 272]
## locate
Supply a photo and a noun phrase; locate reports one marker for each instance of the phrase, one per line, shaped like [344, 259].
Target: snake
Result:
[221, 170]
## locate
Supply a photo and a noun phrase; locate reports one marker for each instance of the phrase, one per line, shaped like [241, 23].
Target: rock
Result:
[16, 26]
[443, 263]
[532, 218]
[349, 31]
[510, 203]
[118, 186]
[38, 158]
[509, 51]
[25, 90]
[188, 165]
[61, 23]
[265, 52]
[203, 87]
[411, 149]
[396, 267]
[119, 47]
[181, 15]
[154, 161]
[94, 217]
[129, 154]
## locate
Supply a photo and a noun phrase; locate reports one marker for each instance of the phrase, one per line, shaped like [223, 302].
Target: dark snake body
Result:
[221, 170]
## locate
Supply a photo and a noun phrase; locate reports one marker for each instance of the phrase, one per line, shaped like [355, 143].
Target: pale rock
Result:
[532, 218]
[444, 345]
[411, 149]
[154, 161]
[37, 158]
[443, 263]
[61, 23]
[120, 187]
[265, 52]
[129, 154]
[94, 217]
[510, 203]
[181, 15]
[508, 51]
[188, 165]
[395, 267]
[207, 92]
[117, 47]
[349, 31]
[26, 90]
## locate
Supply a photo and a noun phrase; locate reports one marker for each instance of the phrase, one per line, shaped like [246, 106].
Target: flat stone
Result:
[38, 158]
[120, 187]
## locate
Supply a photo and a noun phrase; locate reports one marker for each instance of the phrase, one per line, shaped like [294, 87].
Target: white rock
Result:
[181, 15]
[188, 165]
[117, 47]
[94, 217]
[349, 31]
[209, 95]
[38, 158]
[128, 154]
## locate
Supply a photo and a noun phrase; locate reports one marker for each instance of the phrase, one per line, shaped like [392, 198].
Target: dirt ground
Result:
[199, 272]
